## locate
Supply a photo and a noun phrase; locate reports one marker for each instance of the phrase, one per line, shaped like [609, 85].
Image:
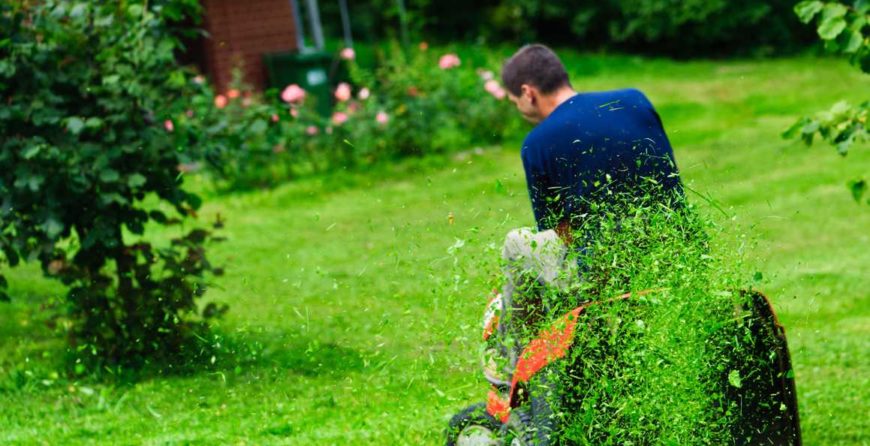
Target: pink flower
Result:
[274, 117]
[311, 130]
[189, 113]
[329, 130]
[293, 94]
[294, 112]
[347, 54]
[363, 94]
[199, 79]
[494, 88]
[247, 101]
[342, 92]
[486, 74]
[382, 118]
[339, 118]
[232, 93]
[449, 61]
[220, 101]
[168, 125]
[353, 107]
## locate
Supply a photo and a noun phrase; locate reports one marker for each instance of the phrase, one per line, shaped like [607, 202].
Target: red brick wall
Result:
[241, 31]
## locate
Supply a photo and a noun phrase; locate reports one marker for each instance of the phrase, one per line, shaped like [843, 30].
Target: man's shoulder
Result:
[632, 95]
[537, 140]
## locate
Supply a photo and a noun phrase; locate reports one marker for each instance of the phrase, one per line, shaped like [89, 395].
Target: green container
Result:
[310, 70]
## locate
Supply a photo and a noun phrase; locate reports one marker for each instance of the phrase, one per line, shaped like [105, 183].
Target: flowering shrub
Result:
[410, 106]
[435, 107]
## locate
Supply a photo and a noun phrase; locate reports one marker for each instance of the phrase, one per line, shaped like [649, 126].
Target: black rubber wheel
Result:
[542, 420]
[473, 426]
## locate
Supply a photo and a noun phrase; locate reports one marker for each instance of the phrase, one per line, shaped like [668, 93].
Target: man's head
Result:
[533, 76]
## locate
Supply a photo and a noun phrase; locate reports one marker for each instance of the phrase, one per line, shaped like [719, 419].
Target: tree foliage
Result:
[843, 28]
[673, 27]
[88, 159]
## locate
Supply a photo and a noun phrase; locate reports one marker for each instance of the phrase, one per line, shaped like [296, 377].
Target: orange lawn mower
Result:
[518, 413]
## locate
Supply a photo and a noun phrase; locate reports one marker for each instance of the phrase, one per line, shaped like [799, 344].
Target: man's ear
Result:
[529, 92]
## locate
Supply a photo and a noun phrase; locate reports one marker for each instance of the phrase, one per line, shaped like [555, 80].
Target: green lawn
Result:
[361, 303]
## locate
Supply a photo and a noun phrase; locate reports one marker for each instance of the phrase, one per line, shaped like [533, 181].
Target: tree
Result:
[88, 157]
[843, 28]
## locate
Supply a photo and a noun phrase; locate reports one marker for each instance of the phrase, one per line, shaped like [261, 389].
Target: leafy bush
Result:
[87, 160]
[413, 104]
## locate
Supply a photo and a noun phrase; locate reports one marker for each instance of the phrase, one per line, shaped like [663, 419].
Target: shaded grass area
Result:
[362, 302]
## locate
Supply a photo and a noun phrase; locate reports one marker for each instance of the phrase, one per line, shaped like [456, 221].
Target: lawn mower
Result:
[517, 413]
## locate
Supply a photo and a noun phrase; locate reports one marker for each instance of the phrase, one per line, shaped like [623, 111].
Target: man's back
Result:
[592, 142]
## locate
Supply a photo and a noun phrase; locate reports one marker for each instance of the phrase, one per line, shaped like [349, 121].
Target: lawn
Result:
[355, 300]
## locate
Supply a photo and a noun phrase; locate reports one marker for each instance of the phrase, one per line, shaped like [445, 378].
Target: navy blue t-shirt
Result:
[593, 141]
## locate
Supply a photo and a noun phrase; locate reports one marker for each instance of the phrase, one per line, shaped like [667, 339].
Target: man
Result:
[584, 148]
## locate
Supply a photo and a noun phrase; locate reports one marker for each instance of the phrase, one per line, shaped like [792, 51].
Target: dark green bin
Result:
[310, 70]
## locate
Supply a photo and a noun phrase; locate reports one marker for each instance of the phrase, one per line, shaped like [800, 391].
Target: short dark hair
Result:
[535, 65]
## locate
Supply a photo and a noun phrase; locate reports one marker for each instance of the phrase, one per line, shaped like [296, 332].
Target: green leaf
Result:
[807, 10]
[834, 10]
[79, 10]
[841, 107]
[831, 28]
[176, 79]
[136, 180]
[194, 201]
[53, 227]
[734, 379]
[75, 125]
[111, 79]
[858, 189]
[135, 10]
[31, 151]
[810, 128]
[795, 128]
[854, 43]
[109, 176]
[158, 216]
[259, 126]
[843, 147]
[94, 123]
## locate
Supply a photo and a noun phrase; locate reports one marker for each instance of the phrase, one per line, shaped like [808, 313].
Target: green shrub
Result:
[88, 158]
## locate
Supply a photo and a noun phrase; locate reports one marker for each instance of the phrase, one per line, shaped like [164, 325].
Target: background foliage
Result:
[671, 27]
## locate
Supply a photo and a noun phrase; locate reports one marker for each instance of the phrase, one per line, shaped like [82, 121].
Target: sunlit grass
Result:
[368, 326]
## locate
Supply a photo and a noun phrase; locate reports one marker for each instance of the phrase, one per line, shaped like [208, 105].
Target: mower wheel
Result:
[473, 426]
